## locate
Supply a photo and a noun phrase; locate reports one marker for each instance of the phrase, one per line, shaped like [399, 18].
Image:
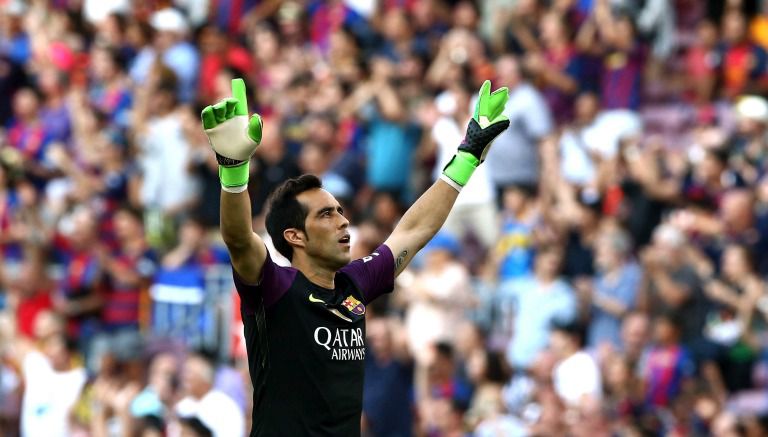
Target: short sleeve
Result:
[35, 365]
[274, 282]
[374, 274]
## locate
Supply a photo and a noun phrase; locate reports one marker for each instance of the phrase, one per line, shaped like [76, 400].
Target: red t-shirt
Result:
[29, 308]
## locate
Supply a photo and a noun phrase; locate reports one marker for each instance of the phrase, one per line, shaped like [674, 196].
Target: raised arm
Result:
[234, 137]
[425, 217]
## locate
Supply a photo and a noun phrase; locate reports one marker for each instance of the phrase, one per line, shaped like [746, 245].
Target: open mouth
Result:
[344, 239]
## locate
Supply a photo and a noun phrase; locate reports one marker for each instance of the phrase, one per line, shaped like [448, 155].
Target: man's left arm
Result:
[425, 217]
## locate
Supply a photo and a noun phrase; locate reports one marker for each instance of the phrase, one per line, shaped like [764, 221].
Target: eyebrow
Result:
[329, 209]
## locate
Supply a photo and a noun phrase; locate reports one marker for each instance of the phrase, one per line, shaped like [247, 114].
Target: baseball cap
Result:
[169, 20]
[752, 108]
[444, 241]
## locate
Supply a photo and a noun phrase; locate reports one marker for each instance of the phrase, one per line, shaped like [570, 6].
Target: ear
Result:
[295, 237]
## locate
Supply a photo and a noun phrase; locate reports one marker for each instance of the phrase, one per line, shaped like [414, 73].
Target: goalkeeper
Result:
[305, 324]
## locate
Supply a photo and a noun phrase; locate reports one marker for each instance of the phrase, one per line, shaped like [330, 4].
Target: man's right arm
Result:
[246, 249]
[234, 137]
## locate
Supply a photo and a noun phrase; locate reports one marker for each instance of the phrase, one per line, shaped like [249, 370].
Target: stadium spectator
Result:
[576, 376]
[537, 301]
[437, 298]
[217, 411]
[614, 291]
[514, 158]
[44, 412]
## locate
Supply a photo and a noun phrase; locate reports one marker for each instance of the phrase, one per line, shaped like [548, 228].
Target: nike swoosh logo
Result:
[314, 299]
[336, 313]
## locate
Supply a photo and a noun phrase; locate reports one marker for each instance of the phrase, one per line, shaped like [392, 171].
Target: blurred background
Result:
[603, 273]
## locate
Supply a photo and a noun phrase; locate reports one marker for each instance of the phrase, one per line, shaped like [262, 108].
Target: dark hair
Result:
[284, 211]
[573, 329]
[495, 367]
[445, 350]
[149, 422]
[132, 211]
[529, 190]
[672, 317]
[197, 426]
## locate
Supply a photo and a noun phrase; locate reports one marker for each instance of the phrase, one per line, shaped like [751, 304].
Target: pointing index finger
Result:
[238, 92]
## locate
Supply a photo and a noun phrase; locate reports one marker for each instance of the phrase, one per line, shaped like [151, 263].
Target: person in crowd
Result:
[438, 297]
[668, 367]
[214, 409]
[536, 302]
[614, 291]
[576, 376]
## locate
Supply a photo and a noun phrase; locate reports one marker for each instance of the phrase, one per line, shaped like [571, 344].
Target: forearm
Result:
[236, 219]
[85, 305]
[672, 293]
[420, 223]
[560, 80]
[389, 103]
[427, 215]
[609, 305]
[246, 249]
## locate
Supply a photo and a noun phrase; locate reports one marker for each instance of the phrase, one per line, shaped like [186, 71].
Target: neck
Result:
[570, 353]
[133, 244]
[559, 45]
[316, 274]
[546, 278]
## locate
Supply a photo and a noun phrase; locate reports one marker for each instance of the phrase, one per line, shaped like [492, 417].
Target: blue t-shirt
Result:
[535, 306]
[389, 151]
[388, 396]
[515, 249]
[605, 327]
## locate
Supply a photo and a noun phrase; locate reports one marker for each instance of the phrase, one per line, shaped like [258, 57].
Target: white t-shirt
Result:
[609, 128]
[428, 322]
[577, 376]
[217, 411]
[48, 397]
[164, 162]
[505, 425]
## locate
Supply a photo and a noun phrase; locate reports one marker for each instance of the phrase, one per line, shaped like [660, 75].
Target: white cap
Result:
[169, 20]
[753, 108]
[670, 235]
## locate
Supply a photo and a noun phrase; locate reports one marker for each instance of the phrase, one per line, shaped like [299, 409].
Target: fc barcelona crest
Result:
[354, 306]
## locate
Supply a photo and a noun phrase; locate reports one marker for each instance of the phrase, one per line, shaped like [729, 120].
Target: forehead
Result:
[316, 199]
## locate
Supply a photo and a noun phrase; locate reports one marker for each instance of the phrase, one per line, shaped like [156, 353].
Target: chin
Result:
[343, 260]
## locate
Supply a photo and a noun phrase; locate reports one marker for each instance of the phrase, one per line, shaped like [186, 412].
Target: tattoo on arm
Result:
[400, 259]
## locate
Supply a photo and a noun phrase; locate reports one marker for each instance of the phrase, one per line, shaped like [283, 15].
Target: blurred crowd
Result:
[603, 273]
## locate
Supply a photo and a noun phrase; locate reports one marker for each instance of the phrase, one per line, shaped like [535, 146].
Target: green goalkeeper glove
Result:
[486, 124]
[233, 136]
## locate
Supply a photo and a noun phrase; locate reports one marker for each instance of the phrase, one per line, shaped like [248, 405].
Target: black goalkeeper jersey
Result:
[306, 346]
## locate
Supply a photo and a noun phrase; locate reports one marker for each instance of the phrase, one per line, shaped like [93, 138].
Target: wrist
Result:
[234, 179]
[460, 168]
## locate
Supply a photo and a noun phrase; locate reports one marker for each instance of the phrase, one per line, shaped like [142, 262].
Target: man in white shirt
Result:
[214, 409]
[52, 386]
[514, 158]
[576, 375]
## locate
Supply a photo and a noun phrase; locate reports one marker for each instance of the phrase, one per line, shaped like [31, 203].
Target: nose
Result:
[344, 222]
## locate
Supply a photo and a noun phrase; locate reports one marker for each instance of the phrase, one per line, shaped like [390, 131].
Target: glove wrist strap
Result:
[234, 179]
[460, 168]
